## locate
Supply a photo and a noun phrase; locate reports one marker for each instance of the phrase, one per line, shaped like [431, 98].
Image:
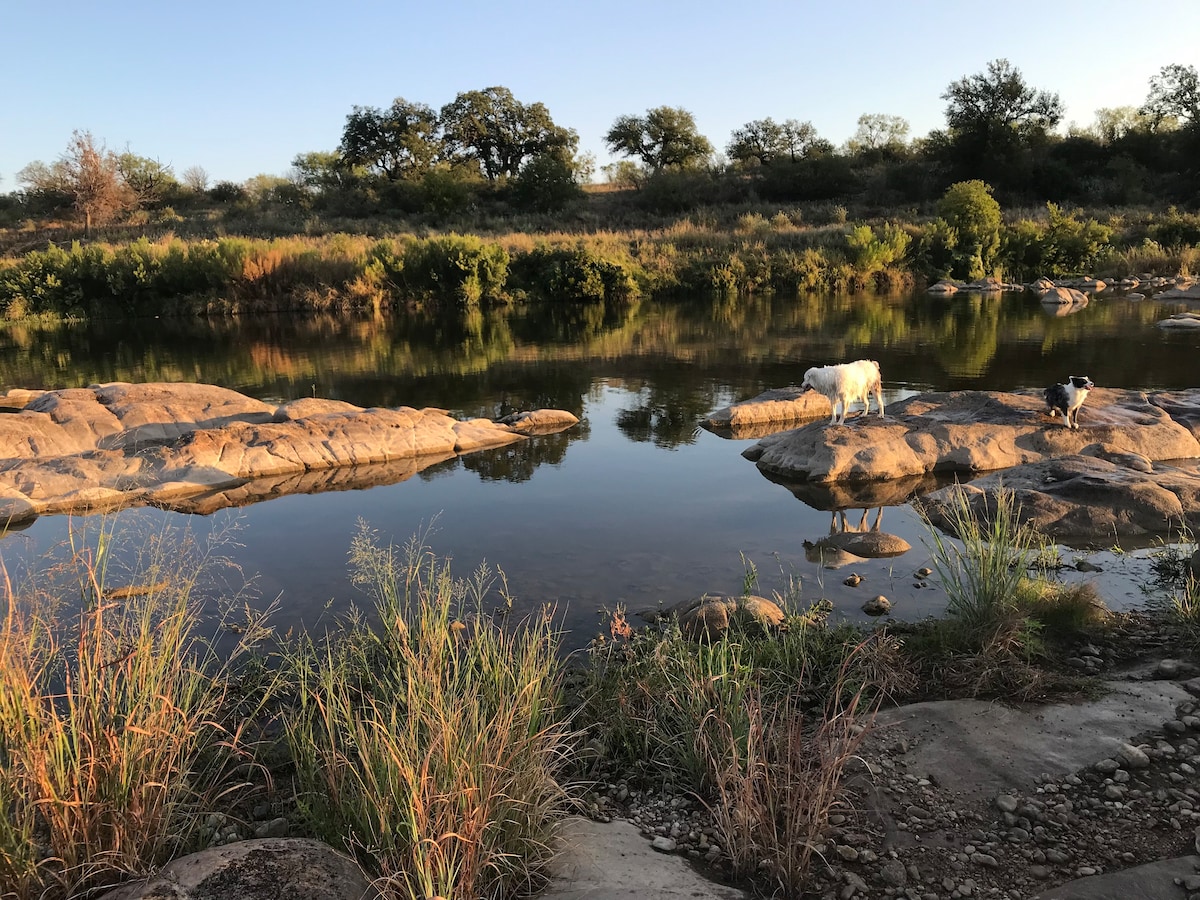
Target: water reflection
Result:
[635, 504]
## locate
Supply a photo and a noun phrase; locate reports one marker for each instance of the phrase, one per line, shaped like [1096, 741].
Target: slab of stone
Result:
[1083, 496]
[773, 407]
[976, 747]
[112, 445]
[969, 432]
[614, 861]
[1153, 881]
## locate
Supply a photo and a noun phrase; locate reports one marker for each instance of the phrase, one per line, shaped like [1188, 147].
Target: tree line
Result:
[487, 149]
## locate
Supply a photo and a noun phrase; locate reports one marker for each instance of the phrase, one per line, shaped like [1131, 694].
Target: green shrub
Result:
[974, 215]
[463, 270]
[575, 274]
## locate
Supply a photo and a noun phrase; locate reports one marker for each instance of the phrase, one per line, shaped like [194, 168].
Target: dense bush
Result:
[459, 268]
[575, 273]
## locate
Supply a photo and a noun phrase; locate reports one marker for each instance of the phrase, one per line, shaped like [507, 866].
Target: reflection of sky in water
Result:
[617, 521]
[640, 506]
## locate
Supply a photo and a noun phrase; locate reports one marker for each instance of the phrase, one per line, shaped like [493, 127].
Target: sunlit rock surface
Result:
[202, 447]
[1131, 467]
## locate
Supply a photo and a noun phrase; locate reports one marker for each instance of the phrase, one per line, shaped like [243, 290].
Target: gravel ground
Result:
[901, 834]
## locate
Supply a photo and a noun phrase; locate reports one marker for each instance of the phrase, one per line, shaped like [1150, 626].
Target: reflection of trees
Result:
[517, 462]
[969, 336]
[497, 361]
[667, 414]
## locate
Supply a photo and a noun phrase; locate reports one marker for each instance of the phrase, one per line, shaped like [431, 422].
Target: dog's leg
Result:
[879, 399]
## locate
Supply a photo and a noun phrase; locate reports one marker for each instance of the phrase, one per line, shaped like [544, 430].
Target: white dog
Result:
[847, 382]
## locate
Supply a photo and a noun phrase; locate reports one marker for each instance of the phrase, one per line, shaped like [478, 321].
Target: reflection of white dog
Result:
[847, 382]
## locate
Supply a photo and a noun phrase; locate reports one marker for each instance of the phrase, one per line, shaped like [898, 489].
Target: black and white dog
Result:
[1067, 398]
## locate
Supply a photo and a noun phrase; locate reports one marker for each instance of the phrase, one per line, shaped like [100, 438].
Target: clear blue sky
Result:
[240, 88]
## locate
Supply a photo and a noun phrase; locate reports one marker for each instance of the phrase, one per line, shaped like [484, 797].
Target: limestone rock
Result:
[970, 432]
[780, 405]
[711, 616]
[1181, 320]
[877, 606]
[112, 445]
[265, 869]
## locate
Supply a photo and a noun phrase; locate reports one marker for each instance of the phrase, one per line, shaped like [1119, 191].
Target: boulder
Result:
[773, 407]
[1185, 292]
[1042, 285]
[943, 287]
[112, 445]
[970, 432]
[264, 869]
[711, 615]
[1064, 296]
[1084, 497]
[1181, 320]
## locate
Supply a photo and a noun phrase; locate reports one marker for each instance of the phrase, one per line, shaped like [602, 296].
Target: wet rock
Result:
[878, 605]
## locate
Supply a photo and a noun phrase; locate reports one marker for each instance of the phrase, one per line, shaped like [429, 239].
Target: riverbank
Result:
[729, 252]
[327, 737]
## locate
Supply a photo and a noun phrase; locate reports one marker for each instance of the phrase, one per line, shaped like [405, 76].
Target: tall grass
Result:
[120, 724]
[774, 789]
[430, 746]
[982, 577]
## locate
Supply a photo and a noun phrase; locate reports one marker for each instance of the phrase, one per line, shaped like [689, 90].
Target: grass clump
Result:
[431, 746]
[120, 724]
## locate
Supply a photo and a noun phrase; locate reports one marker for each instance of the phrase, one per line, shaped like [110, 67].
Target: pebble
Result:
[664, 844]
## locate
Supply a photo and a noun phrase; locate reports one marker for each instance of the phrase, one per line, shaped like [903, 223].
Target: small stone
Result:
[1006, 803]
[663, 844]
[924, 572]
[878, 605]
[273, 829]
[1133, 757]
[1106, 766]
[849, 854]
[984, 859]
[893, 873]
[853, 580]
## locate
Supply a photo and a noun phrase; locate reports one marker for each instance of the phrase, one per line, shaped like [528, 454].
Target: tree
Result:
[323, 170]
[87, 176]
[148, 179]
[973, 214]
[878, 131]
[494, 129]
[195, 178]
[400, 142]
[1174, 97]
[664, 138]
[993, 116]
[1113, 123]
[764, 141]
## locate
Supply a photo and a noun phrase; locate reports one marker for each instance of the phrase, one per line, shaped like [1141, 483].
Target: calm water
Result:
[637, 505]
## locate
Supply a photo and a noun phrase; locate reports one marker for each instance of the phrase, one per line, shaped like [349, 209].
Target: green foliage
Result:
[1175, 230]
[499, 133]
[399, 142]
[431, 746]
[464, 270]
[974, 215]
[1065, 246]
[576, 274]
[870, 252]
[546, 183]
[664, 138]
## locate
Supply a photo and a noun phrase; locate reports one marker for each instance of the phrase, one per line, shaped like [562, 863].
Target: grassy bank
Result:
[439, 741]
[735, 252]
